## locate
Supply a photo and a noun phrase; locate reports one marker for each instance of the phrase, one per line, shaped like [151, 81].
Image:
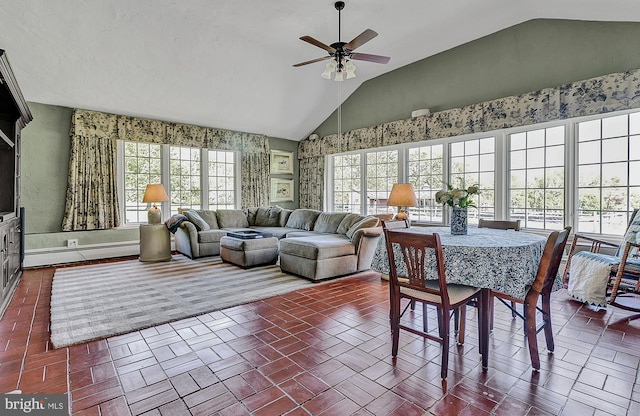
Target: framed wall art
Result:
[281, 162]
[281, 190]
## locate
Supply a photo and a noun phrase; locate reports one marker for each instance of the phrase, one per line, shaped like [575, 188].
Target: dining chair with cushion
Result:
[541, 287]
[417, 273]
[600, 279]
[498, 224]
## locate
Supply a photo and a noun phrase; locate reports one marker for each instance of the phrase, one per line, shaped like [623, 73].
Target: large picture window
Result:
[580, 172]
[195, 178]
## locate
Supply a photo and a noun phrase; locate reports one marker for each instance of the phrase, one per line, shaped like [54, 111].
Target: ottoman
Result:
[249, 252]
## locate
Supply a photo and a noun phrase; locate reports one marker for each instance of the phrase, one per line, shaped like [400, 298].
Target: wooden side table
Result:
[155, 244]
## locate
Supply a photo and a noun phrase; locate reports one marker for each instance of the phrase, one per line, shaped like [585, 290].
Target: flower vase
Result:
[459, 221]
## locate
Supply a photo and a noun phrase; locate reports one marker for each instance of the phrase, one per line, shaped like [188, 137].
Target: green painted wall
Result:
[527, 57]
[289, 146]
[44, 170]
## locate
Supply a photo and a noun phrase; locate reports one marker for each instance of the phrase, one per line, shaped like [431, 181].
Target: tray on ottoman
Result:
[248, 234]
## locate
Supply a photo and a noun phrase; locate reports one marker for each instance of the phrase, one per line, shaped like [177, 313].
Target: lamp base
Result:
[154, 215]
[402, 215]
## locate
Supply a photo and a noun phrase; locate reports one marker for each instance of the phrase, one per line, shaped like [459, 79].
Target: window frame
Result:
[502, 167]
[166, 207]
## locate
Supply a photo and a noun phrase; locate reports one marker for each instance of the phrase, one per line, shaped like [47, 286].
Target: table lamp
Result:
[154, 193]
[402, 195]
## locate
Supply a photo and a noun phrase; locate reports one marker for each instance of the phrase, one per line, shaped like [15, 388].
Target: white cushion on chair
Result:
[457, 293]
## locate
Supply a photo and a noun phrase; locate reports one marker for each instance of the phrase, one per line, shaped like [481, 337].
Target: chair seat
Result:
[457, 293]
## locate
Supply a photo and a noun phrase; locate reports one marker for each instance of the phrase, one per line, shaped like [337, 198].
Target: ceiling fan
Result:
[342, 53]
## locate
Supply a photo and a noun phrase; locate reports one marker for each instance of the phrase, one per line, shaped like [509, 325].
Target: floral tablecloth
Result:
[503, 260]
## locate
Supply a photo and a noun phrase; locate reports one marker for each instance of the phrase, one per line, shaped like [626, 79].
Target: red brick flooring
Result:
[321, 351]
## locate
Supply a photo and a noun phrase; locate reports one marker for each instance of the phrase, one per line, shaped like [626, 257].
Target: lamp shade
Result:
[402, 195]
[155, 193]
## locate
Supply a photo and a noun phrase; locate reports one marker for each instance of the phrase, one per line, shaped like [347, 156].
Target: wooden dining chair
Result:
[417, 250]
[541, 287]
[500, 225]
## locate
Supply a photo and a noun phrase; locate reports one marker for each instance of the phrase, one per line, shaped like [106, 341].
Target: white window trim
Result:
[501, 160]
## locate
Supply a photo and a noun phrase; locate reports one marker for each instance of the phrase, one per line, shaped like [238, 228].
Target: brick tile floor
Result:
[324, 350]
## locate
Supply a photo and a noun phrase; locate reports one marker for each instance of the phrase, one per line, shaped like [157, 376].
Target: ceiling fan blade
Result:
[317, 43]
[361, 39]
[313, 61]
[379, 59]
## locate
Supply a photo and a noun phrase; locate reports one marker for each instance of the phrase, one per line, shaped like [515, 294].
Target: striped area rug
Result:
[101, 300]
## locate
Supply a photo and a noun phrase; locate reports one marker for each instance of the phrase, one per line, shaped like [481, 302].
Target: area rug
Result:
[101, 300]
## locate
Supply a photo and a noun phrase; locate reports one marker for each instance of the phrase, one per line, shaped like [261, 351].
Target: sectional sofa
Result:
[313, 244]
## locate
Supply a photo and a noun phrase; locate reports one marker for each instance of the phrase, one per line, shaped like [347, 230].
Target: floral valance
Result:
[613, 92]
[95, 124]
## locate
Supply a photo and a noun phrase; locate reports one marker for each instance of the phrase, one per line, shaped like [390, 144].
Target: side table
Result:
[155, 244]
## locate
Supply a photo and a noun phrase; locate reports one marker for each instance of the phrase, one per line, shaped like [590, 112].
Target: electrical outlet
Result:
[72, 243]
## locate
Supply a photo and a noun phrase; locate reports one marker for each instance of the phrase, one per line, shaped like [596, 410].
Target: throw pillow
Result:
[209, 217]
[251, 215]
[328, 222]
[303, 219]
[196, 219]
[268, 217]
[232, 218]
[347, 222]
[363, 223]
[284, 216]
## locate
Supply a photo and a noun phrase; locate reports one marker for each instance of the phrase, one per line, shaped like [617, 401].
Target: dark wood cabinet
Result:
[14, 116]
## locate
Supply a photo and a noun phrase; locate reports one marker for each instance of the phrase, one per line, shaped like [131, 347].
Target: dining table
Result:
[486, 258]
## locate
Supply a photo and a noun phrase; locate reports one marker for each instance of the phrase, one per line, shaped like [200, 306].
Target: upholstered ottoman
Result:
[319, 257]
[249, 252]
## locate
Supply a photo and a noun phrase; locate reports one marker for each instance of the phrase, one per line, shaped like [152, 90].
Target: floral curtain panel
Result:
[92, 202]
[613, 92]
[255, 171]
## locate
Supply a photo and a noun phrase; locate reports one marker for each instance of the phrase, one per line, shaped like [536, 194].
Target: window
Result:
[536, 178]
[608, 172]
[347, 194]
[195, 178]
[382, 173]
[426, 169]
[142, 165]
[583, 172]
[184, 171]
[221, 180]
[473, 163]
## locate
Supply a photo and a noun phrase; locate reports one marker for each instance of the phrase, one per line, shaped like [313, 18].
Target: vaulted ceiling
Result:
[228, 63]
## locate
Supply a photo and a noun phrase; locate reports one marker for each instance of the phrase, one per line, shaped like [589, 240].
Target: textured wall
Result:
[531, 56]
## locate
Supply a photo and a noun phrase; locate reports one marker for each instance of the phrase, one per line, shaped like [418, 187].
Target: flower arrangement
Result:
[456, 197]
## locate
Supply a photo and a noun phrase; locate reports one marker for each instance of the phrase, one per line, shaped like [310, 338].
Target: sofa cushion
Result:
[251, 214]
[303, 219]
[284, 216]
[232, 218]
[363, 223]
[210, 218]
[318, 247]
[196, 219]
[347, 222]
[328, 222]
[211, 236]
[268, 216]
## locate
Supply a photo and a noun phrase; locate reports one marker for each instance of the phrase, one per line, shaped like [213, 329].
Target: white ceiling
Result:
[228, 63]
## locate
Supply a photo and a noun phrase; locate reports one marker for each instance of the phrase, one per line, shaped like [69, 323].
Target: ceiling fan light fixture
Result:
[339, 76]
[351, 70]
